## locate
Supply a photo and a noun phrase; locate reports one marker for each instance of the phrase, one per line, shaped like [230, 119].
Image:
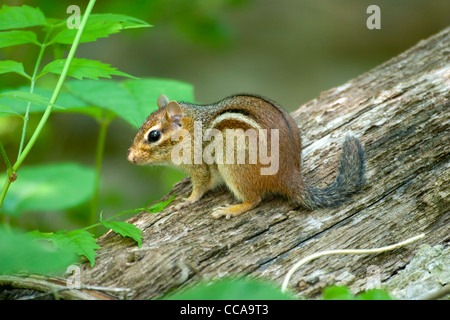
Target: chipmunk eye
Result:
[153, 136]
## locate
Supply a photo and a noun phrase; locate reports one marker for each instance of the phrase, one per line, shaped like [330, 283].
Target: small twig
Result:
[438, 294]
[345, 251]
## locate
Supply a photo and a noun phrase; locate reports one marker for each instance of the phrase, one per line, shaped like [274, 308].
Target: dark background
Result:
[287, 50]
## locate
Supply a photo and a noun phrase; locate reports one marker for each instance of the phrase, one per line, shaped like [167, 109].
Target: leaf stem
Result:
[33, 82]
[104, 123]
[113, 217]
[9, 171]
[8, 164]
[153, 209]
[53, 99]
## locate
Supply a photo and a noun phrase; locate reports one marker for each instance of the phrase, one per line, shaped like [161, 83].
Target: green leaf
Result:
[125, 230]
[25, 96]
[50, 187]
[374, 294]
[68, 102]
[132, 100]
[20, 17]
[6, 111]
[65, 100]
[12, 66]
[16, 37]
[337, 293]
[82, 243]
[100, 26]
[157, 207]
[84, 68]
[94, 112]
[232, 289]
[17, 100]
[110, 95]
[19, 252]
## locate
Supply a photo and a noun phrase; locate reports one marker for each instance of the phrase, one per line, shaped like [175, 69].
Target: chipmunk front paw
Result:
[183, 204]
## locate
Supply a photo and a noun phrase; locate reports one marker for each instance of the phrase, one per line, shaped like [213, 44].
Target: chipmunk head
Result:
[153, 142]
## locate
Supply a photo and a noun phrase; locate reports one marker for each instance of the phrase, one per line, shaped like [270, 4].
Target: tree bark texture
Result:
[400, 111]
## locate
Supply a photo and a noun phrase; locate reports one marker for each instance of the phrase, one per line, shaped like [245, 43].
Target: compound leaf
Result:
[84, 68]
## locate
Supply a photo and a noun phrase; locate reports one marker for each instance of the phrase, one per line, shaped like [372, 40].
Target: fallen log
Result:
[400, 111]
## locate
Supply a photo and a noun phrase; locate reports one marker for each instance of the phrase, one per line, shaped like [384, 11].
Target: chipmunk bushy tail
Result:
[349, 180]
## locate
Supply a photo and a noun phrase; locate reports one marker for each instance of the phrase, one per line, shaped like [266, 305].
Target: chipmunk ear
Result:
[162, 101]
[173, 110]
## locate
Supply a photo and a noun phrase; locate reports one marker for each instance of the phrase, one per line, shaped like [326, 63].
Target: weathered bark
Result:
[400, 112]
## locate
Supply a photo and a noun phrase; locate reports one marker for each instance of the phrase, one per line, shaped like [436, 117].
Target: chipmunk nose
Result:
[131, 156]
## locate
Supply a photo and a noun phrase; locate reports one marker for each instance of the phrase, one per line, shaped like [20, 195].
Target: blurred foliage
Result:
[49, 188]
[253, 289]
[343, 293]
[19, 252]
[232, 289]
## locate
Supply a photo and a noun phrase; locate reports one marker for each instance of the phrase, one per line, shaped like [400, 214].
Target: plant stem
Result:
[4, 190]
[53, 99]
[104, 123]
[33, 82]
[9, 172]
[58, 87]
[148, 209]
[8, 164]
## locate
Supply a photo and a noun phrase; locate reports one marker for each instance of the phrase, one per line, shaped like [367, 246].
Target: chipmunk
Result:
[170, 133]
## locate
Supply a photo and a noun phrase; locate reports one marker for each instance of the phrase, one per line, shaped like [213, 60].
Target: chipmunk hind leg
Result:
[249, 195]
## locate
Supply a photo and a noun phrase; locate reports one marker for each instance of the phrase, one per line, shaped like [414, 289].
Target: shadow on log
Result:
[400, 111]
